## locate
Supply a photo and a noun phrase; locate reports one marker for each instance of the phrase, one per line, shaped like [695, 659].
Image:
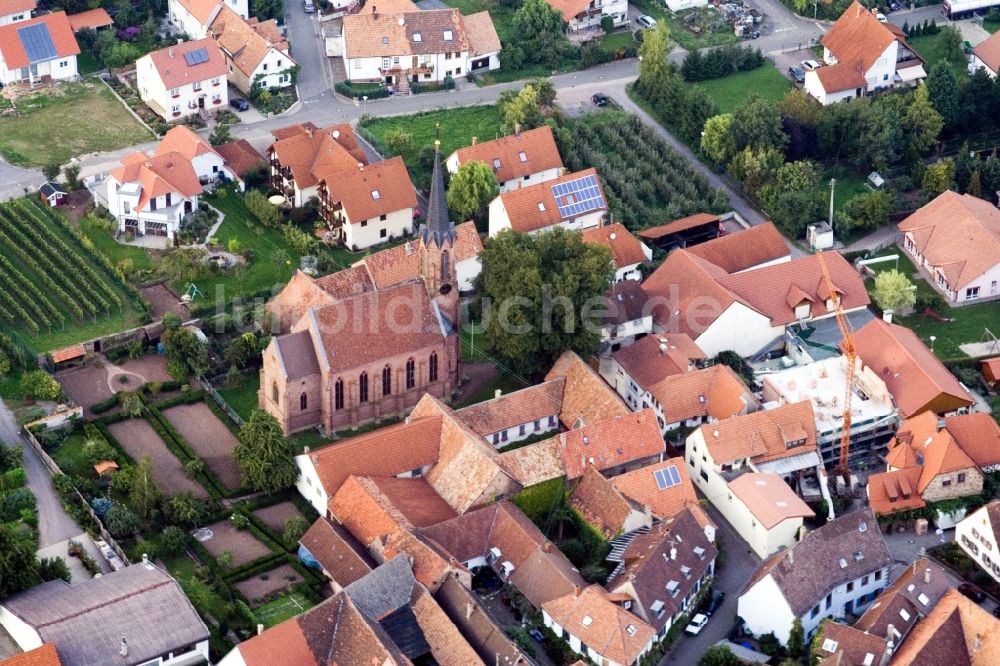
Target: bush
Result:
[607, 25]
[51, 569]
[174, 540]
[265, 212]
[239, 521]
[295, 527]
[121, 522]
[41, 385]
[14, 502]
[345, 89]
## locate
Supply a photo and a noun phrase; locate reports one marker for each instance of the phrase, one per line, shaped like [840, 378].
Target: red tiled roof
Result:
[989, 52]
[647, 362]
[610, 443]
[716, 391]
[640, 486]
[858, 36]
[91, 18]
[59, 28]
[626, 249]
[851, 646]
[312, 154]
[682, 224]
[336, 551]
[538, 146]
[481, 33]
[172, 67]
[356, 189]
[373, 507]
[889, 492]
[607, 628]
[240, 156]
[68, 353]
[526, 405]
[168, 172]
[991, 369]
[182, 139]
[8, 7]
[769, 498]
[745, 249]
[247, 42]
[202, 10]
[955, 631]
[45, 655]
[840, 76]
[764, 435]
[586, 398]
[371, 35]
[568, 8]
[534, 207]
[596, 499]
[979, 436]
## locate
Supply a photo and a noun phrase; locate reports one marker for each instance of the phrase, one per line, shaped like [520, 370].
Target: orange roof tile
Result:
[537, 145]
[958, 234]
[203, 10]
[991, 369]
[682, 224]
[8, 7]
[841, 76]
[716, 391]
[239, 156]
[468, 244]
[916, 379]
[68, 353]
[45, 655]
[370, 35]
[313, 154]
[337, 551]
[430, 564]
[247, 42]
[372, 507]
[769, 498]
[640, 485]
[185, 141]
[858, 36]
[596, 499]
[568, 8]
[685, 281]
[989, 52]
[978, 434]
[535, 207]
[626, 249]
[172, 67]
[942, 455]
[526, 405]
[367, 192]
[850, 645]
[889, 492]
[481, 33]
[586, 398]
[647, 362]
[770, 434]
[745, 249]
[533, 464]
[956, 631]
[606, 627]
[610, 443]
[169, 172]
[90, 19]
[60, 31]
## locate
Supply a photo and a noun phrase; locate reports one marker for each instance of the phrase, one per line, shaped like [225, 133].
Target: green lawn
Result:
[243, 398]
[65, 121]
[730, 91]
[72, 459]
[680, 34]
[503, 382]
[929, 47]
[112, 249]
[10, 388]
[280, 609]
[458, 126]
[86, 63]
[970, 322]
[905, 266]
[617, 40]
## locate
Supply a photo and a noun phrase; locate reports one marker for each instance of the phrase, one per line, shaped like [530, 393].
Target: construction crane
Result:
[847, 333]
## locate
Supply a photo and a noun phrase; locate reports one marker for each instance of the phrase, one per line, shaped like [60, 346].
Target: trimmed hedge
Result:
[105, 405]
[345, 89]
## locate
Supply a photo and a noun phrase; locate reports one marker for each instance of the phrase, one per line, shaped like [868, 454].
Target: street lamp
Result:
[364, 104]
[933, 338]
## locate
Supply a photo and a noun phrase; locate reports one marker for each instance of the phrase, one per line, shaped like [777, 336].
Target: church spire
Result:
[438, 226]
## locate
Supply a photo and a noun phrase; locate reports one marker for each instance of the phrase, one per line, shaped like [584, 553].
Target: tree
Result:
[174, 540]
[521, 111]
[144, 494]
[295, 527]
[71, 173]
[220, 135]
[942, 90]
[654, 68]
[799, 105]
[183, 263]
[397, 141]
[951, 43]
[51, 569]
[185, 353]
[793, 198]
[755, 169]
[131, 404]
[695, 109]
[121, 522]
[265, 212]
[472, 187]
[541, 295]
[17, 561]
[40, 385]
[979, 98]
[264, 455]
[718, 655]
[921, 123]
[539, 30]
[244, 351]
[736, 363]
[717, 140]
[796, 640]
[225, 561]
[939, 176]
[894, 291]
[757, 124]
[268, 9]
[51, 170]
[867, 211]
[184, 509]
[546, 91]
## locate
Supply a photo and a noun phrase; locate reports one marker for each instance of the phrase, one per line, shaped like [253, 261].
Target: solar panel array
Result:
[37, 42]
[667, 478]
[196, 57]
[578, 196]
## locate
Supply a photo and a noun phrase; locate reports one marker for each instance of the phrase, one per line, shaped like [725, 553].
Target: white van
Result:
[308, 7]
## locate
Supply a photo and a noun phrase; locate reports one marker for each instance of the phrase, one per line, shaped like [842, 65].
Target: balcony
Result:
[421, 70]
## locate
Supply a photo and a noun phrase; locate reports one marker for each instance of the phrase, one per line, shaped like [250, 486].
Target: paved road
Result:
[307, 49]
[54, 525]
[14, 180]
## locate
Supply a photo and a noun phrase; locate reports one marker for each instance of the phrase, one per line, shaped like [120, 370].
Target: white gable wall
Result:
[764, 609]
[740, 329]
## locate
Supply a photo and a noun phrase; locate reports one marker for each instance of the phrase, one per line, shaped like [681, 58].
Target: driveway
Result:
[54, 525]
[303, 33]
[14, 180]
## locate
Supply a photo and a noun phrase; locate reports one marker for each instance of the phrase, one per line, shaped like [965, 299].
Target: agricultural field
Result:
[646, 181]
[210, 439]
[52, 289]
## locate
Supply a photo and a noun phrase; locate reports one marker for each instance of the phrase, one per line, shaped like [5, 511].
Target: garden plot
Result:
[209, 437]
[242, 544]
[151, 368]
[257, 588]
[85, 386]
[275, 516]
[138, 439]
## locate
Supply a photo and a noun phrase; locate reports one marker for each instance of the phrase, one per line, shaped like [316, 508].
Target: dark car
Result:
[600, 99]
[996, 612]
[713, 604]
[239, 104]
[798, 74]
[537, 635]
[973, 592]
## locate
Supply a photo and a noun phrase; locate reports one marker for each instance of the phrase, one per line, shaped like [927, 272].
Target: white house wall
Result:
[764, 609]
[395, 225]
[309, 485]
[975, 536]
[274, 68]
[16, 17]
[740, 329]
[466, 272]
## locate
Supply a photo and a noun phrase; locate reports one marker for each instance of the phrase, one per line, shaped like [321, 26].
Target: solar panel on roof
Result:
[196, 57]
[667, 478]
[37, 42]
[578, 196]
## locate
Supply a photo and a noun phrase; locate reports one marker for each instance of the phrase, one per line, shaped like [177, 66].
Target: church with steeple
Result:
[367, 342]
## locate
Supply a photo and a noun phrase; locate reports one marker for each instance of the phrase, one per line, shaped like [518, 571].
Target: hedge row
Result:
[185, 453]
[345, 89]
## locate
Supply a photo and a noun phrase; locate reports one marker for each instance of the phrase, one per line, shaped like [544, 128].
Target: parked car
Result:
[881, 17]
[972, 592]
[810, 65]
[697, 623]
[600, 99]
[797, 74]
[239, 104]
[718, 596]
[308, 7]
[537, 635]
[646, 21]
[996, 612]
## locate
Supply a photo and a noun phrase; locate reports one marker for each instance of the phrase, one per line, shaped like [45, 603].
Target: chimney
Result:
[305, 450]
[791, 556]
[475, 140]
[576, 590]
[517, 129]
[179, 42]
[409, 248]
[123, 651]
[497, 393]
[468, 610]
[375, 11]
[315, 458]
[663, 349]
[260, 629]
[562, 439]
[547, 547]
[927, 575]
[978, 643]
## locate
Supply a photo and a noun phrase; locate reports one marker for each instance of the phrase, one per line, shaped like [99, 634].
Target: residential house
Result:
[823, 383]
[978, 435]
[15, 11]
[240, 158]
[302, 156]
[663, 489]
[991, 370]
[978, 534]
[315, 374]
[33, 48]
[596, 500]
[925, 461]
[684, 232]
[986, 55]
[957, 631]
[772, 448]
[836, 569]
[46, 655]
[956, 239]
[582, 15]
[369, 204]
[136, 615]
[183, 80]
[597, 627]
[626, 317]
[508, 418]
[518, 160]
[759, 246]
[329, 547]
[193, 17]
[256, 52]
[151, 195]
[627, 251]
[416, 46]
[862, 55]
[917, 380]
[648, 361]
[573, 201]
[747, 311]
[208, 163]
[468, 613]
[838, 643]
[91, 19]
[661, 573]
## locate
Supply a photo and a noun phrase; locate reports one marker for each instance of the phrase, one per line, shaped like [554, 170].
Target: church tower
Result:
[437, 245]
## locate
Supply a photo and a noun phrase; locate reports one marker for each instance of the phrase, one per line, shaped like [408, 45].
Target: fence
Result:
[54, 470]
[220, 401]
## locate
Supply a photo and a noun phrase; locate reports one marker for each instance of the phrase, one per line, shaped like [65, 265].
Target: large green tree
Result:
[539, 31]
[264, 455]
[717, 139]
[654, 68]
[471, 188]
[757, 125]
[144, 495]
[894, 291]
[921, 122]
[942, 89]
[718, 655]
[541, 295]
[185, 353]
[521, 110]
[17, 561]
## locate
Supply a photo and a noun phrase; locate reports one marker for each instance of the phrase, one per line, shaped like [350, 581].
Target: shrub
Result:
[100, 505]
[261, 208]
[174, 540]
[239, 521]
[295, 527]
[51, 569]
[41, 385]
[121, 522]
[607, 25]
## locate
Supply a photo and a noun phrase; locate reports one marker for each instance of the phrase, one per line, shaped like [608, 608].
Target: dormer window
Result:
[630, 630]
[376, 195]
[587, 621]
[417, 37]
[686, 572]
[496, 164]
[673, 588]
[541, 206]
[699, 552]
[523, 156]
[385, 40]
[448, 35]
[657, 608]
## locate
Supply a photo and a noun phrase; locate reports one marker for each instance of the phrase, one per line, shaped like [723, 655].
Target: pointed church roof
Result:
[438, 226]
